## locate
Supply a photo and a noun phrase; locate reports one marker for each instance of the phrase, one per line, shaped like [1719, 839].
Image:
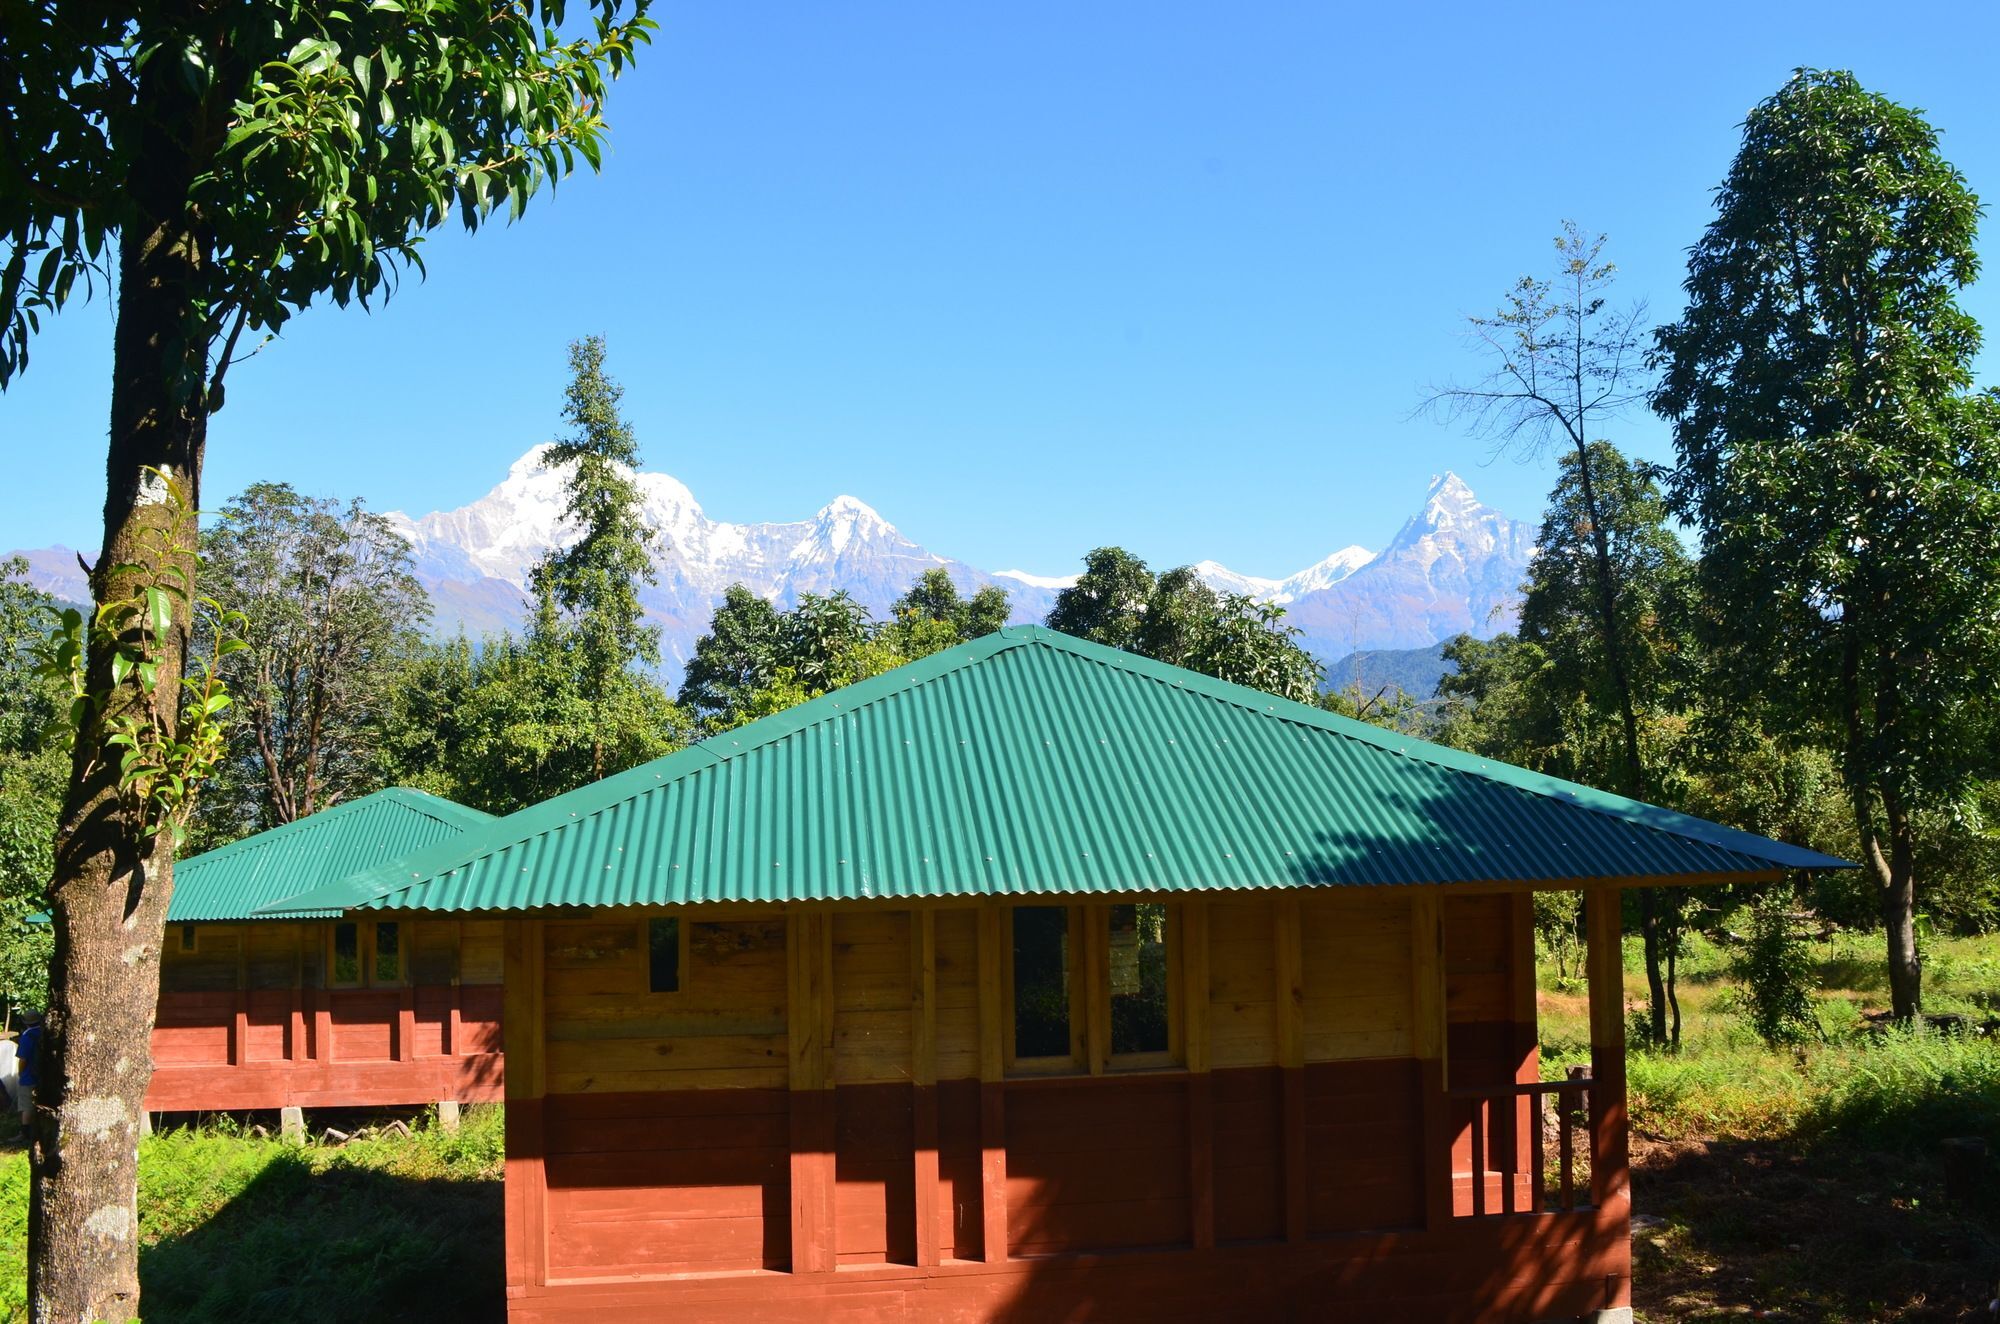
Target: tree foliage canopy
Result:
[1178, 619]
[34, 761]
[1844, 478]
[594, 582]
[332, 605]
[315, 142]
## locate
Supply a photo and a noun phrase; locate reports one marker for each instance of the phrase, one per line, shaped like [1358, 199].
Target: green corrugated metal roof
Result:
[1030, 762]
[233, 881]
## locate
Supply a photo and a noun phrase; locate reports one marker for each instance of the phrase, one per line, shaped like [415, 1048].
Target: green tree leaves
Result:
[1845, 482]
[1176, 618]
[587, 593]
[331, 606]
[320, 140]
[520, 720]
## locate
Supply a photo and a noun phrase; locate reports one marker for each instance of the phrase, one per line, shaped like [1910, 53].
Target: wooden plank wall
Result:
[826, 1087]
[245, 1020]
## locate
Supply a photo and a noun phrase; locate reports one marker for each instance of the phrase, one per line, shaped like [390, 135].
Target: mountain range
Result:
[1455, 565]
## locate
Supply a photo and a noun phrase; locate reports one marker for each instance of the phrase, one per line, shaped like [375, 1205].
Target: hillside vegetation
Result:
[1808, 1183]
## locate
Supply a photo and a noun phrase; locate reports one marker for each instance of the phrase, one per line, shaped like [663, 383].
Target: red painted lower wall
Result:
[279, 1048]
[684, 1181]
[1555, 1267]
[681, 1204]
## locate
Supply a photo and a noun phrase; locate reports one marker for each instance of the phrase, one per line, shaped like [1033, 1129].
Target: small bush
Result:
[1776, 972]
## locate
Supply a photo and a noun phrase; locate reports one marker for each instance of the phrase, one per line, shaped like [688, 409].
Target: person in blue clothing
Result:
[26, 1049]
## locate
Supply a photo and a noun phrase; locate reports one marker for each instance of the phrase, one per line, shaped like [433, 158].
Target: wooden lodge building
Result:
[318, 1010]
[1035, 980]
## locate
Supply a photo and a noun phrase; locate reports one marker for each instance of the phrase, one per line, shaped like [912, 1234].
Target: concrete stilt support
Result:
[145, 1122]
[448, 1114]
[292, 1124]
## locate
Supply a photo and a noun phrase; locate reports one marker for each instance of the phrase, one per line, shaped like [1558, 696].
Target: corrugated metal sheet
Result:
[1029, 762]
[231, 882]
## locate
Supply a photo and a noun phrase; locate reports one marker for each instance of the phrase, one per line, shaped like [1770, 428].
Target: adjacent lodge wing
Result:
[315, 1009]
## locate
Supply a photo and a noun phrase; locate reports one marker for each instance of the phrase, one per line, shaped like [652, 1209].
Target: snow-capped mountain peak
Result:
[1054, 583]
[1224, 580]
[1455, 566]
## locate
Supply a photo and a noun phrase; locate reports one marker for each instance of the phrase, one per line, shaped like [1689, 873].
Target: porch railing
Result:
[1525, 1157]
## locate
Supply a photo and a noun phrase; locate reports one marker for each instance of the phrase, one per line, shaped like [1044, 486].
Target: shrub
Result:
[1776, 972]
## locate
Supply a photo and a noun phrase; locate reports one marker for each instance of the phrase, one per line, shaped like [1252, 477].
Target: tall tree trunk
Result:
[1890, 863]
[112, 882]
[1634, 781]
[1899, 914]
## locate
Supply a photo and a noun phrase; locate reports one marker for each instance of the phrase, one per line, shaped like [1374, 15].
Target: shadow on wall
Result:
[1526, 1269]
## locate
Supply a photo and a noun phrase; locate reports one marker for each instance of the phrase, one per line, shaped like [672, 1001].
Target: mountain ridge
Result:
[1454, 566]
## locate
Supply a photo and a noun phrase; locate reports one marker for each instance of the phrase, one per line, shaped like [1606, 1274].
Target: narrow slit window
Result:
[187, 937]
[1041, 982]
[663, 954]
[346, 953]
[388, 953]
[1138, 979]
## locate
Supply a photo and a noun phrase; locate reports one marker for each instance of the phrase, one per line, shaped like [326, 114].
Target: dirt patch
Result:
[1764, 1230]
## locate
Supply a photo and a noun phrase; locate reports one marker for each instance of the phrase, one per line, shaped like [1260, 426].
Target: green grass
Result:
[240, 1227]
[1808, 1184]
[1856, 1080]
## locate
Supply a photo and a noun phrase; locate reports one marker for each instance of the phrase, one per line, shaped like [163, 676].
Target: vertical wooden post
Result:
[526, 1083]
[295, 1022]
[406, 1023]
[993, 951]
[322, 1001]
[239, 1020]
[809, 1021]
[1523, 1130]
[1095, 947]
[1288, 938]
[1610, 1171]
[454, 1028]
[923, 1081]
[1427, 1019]
[1193, 944]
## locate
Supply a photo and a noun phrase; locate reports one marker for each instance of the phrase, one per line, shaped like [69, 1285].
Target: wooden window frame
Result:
[1079, 1002]
[645, 948]
[189, 939]
[1174, 1054]
[1089, 971]
[365, 935]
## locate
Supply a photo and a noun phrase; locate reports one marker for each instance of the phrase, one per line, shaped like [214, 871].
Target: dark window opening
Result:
[1041, 981]
[388, 954]
[346, 953]
[663, 952]
[1138, 979]
[187, 937]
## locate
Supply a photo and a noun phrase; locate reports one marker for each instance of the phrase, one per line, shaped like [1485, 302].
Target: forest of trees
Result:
[1793, 626]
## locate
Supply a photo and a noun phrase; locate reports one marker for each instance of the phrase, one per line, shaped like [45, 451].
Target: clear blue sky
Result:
[1033, 277]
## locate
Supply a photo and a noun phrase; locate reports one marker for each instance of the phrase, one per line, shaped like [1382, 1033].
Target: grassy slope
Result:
[1807, 1185]
[242, 1228]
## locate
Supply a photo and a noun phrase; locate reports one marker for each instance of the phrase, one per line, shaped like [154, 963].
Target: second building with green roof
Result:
[316, 1009]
